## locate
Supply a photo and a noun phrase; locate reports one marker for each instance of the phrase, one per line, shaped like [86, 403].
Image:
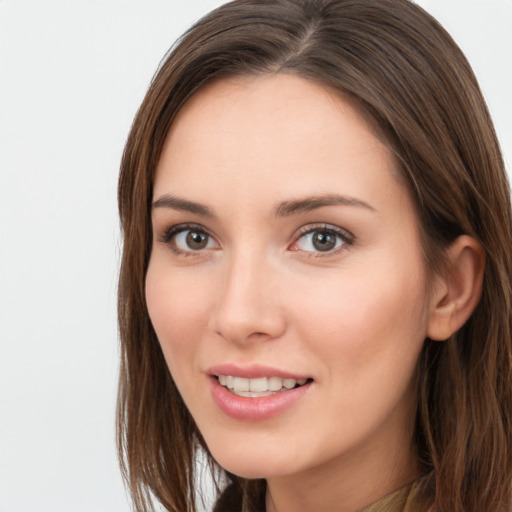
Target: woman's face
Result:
[286, 254]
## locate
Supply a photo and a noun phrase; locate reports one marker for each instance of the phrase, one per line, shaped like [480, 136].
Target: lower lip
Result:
[255, 409]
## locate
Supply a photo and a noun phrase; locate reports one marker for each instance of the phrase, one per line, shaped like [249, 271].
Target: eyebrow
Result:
[168, 201]
[284, 209]
[308, 204]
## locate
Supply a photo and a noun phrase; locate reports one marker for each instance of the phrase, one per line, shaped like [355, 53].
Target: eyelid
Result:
[170, 234]
[347, 238]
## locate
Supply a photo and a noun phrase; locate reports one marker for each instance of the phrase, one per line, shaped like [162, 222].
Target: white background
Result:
[72, 74]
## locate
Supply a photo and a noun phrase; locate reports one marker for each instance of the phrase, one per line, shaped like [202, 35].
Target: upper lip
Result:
[253, 371]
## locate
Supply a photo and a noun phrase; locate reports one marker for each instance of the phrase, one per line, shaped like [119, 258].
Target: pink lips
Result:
[254, 409]
[252, 372]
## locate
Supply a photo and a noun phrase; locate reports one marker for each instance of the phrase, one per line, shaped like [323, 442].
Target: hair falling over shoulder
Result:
[405, 73]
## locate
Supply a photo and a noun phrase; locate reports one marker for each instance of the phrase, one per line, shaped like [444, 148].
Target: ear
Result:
[458, 290]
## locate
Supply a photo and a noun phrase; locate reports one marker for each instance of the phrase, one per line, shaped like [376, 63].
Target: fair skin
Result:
[259, 278]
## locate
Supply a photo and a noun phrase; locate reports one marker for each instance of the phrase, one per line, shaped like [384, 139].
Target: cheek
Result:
[371, 316]
[177, 307]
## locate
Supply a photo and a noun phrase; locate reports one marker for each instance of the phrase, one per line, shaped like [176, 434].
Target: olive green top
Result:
[410, 498]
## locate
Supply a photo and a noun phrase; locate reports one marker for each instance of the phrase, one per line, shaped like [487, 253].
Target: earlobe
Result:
[458, 290]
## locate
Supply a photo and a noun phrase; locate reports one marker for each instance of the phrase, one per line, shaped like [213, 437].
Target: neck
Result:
[346, 484]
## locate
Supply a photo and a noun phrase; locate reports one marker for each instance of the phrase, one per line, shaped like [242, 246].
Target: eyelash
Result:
[171, 233]
[346, 238]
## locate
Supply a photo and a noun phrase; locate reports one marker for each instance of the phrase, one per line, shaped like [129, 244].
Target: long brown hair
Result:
[405, 72]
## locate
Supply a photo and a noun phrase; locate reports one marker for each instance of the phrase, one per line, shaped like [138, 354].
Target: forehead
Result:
[272, 135]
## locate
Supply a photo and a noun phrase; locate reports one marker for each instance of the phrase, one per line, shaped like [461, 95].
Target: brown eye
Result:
[323, 240]
[196, 240]
[184, 239]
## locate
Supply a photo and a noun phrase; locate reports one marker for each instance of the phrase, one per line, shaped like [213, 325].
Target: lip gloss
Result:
[255, 409]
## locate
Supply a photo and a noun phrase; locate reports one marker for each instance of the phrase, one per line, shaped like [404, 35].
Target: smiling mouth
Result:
[259, 387]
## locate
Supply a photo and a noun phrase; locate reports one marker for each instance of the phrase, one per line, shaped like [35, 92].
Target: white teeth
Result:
[289, 383]
[258, 384]
[254, 394]
[241, 384]
[275, 383]
[262, 386]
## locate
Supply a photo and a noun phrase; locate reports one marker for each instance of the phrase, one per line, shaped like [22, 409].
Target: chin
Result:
[254, 464]
[245, 469]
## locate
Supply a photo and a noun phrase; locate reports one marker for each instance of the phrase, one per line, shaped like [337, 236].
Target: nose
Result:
[248, 306]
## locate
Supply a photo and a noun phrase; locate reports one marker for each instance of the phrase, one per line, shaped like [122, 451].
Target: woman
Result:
[315, 285]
